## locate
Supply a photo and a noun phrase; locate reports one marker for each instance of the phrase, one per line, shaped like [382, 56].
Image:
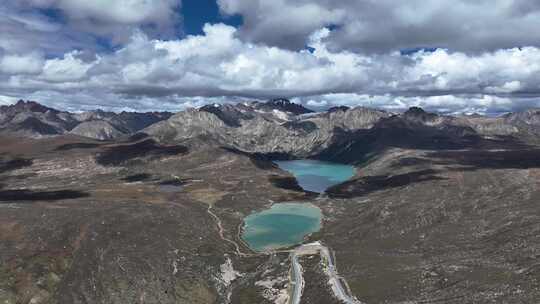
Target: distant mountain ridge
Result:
[281, 127]
[263, 127]
[336, 134]
[31, 119]
[344, 134]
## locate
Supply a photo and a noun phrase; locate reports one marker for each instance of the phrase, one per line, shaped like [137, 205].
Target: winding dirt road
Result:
[334, 279]
[221, 233]
[337, 283]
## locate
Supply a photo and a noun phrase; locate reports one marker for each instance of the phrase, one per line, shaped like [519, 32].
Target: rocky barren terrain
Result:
[443, 209]
[31, 119]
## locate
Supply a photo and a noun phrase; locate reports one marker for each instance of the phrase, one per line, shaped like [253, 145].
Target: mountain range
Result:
[31, 119]
[280, 127]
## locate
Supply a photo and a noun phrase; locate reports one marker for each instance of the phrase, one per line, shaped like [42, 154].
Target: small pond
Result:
[315, 175]
[282, 225]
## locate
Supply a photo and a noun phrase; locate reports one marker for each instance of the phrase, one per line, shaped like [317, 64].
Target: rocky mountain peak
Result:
[26, 106]
[231, 115]
[415, 111]
[418, 114]
[338, 109]
[279, 101]
[31, 119]
[285, 105]
[98, 129]
[530, 115]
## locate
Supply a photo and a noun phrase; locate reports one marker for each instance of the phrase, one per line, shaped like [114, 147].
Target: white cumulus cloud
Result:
[14, 64]
[218, 64]
[388, 25]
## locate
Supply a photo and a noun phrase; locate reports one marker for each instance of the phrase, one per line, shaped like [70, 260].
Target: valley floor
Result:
[84, 221]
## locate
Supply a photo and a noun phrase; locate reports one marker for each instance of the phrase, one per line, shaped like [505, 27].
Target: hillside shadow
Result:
[410, 161]
[481, 159]
[285, 182]
[67, 147]
[175, 182]
[137, 178]
[395, 132]
[262, 161]
[467, 160]
[137, 137]
[120, 154]
[7, 196]
[14, 164]
[365, 185]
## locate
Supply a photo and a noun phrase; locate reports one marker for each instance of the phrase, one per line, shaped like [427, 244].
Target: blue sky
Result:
[446, 56]
[197, 13]
[193, 15]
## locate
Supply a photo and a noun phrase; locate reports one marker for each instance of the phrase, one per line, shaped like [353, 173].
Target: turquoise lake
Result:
[317, 176]
[287, 224]
[282, 225]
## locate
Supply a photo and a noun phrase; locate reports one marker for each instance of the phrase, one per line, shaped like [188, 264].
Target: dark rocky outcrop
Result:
[120, 154]
[229, 114]
[303, 126]
[339, 108]
[284, 105]
[14, 164]
[29, 195]
[137, 177]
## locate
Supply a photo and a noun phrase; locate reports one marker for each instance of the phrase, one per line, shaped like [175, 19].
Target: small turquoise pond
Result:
[317, 176]
[282, 225]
